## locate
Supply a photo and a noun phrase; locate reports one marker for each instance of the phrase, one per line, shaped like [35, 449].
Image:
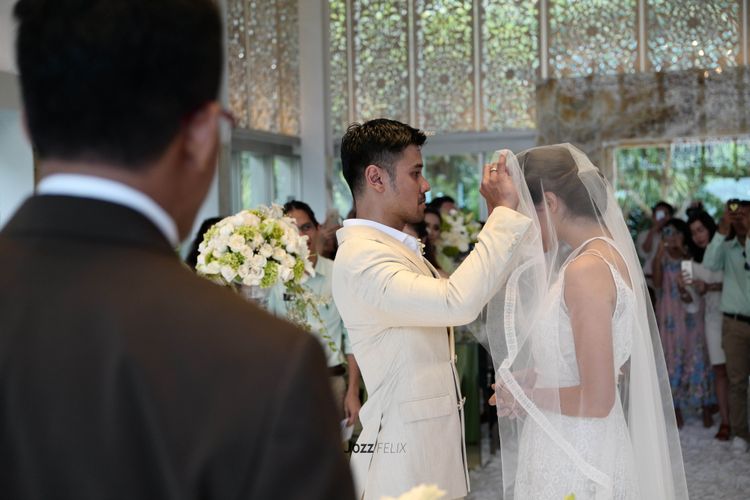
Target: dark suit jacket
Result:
[125, 376]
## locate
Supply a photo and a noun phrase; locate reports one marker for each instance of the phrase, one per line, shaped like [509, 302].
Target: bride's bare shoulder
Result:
[589, 278]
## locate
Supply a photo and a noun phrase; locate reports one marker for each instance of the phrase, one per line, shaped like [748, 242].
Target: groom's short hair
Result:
[114, 80]
[376, 142]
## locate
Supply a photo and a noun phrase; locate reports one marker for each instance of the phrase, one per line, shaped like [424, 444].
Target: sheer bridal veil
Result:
[536, 359]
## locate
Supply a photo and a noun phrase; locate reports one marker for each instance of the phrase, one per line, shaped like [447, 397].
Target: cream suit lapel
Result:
[434, 271]
[371, 233]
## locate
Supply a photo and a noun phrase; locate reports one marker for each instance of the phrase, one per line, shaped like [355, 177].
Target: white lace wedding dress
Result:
[601, 447]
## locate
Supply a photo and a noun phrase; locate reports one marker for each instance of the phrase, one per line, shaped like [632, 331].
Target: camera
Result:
[668, 231]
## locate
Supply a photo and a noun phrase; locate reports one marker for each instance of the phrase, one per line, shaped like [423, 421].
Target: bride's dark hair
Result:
[553, 169]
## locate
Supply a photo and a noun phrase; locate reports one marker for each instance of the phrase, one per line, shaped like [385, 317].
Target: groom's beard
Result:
[416, 218]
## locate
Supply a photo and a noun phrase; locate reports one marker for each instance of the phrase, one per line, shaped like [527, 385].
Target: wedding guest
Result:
[419, 231]
[647, 242]
[681, 324]
[325, 322]
[728, 251]
[327, 244]
[125, 375]
[708, 284]
[192, 257]
[433, 224]
[443, 204]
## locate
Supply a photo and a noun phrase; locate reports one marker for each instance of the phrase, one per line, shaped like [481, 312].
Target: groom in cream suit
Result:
[399, 312]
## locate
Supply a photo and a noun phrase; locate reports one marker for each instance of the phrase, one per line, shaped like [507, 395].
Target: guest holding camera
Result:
[648, 242]
[728, 252]
[681, 324]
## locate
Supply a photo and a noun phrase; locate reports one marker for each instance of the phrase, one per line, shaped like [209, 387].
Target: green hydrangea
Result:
[247, 232]
[211, 233]
[272, 230]
[233, 260]
[271, 274]
[299, 269]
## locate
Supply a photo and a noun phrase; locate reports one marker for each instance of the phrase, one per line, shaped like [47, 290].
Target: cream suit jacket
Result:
[398, 315]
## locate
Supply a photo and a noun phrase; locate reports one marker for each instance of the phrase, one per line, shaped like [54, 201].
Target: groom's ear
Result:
[374, 178]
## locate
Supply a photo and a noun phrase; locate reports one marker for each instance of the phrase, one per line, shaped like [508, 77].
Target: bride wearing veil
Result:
[583, 397]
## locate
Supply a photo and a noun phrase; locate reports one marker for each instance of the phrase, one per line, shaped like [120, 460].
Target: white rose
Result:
[287, 260]
[258, 262]
[253, 277]
[242, 271]
[228, 273]
[226, 230]
[236, 243]
[250, 219]
[258, 240]
[279, 254]
[220, 245]
[211, 268]
[266, 250]
[247, 252]
[286, 238]
[236, 220]
[285, 273]
[276, 211]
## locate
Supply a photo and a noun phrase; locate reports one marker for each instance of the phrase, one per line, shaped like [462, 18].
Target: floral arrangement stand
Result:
[255, 250]
[458, 233]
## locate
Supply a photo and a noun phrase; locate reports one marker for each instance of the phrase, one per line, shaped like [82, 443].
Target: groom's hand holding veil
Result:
[497, 186]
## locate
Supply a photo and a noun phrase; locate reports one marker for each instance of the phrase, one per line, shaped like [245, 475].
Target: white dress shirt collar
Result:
[407, 239]
[99, 188]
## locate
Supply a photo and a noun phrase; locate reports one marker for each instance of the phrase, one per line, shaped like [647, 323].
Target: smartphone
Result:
[660, 215]
[687, 270]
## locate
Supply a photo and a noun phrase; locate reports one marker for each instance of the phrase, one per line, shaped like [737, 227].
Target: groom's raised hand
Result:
[497, 186]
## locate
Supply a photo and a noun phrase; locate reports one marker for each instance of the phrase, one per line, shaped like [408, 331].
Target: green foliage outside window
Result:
[709, 171]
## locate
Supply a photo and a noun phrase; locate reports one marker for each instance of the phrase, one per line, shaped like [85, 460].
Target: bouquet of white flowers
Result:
[458, 232]
[260, 248]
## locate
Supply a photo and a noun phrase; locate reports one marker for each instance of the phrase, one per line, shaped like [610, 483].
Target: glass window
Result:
[685, 170]
[263, 64]
[592, 37]
[263, 179]
[457, 176]
[342, 195]
[689, 34]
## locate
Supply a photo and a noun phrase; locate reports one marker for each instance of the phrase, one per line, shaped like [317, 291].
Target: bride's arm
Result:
[590, 296]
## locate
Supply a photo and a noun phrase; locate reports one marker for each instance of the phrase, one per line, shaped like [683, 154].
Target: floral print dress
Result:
[684, 343]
